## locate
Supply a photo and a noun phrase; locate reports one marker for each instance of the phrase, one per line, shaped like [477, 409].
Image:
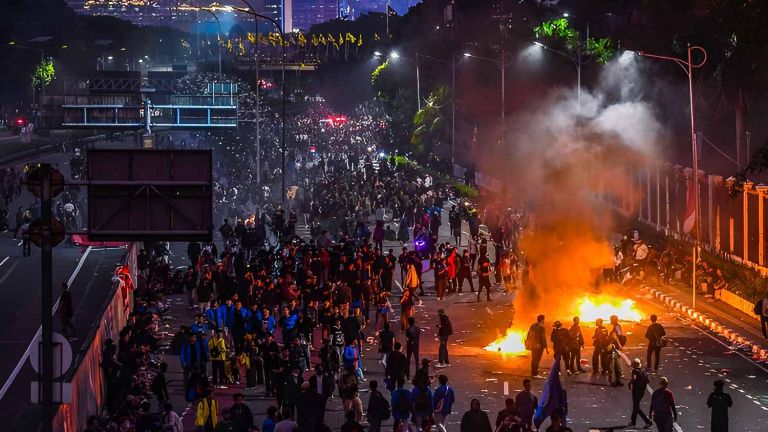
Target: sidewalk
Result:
[728, 324]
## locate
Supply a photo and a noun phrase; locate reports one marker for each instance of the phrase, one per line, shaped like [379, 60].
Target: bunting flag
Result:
[302, 39]
[252, 38]
[229, 45]
[185, 44]
[241, 47]
[360, 40]
[332, 40]
[350, 38]
[376, 37]
[298, 39]
[390, 10]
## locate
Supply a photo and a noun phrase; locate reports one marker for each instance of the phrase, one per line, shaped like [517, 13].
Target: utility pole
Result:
[47, 297]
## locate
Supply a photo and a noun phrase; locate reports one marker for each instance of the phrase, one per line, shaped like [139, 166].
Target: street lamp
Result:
[394, 55]
[688, 66]
[503, 65]
[216, 17]
[576, 63]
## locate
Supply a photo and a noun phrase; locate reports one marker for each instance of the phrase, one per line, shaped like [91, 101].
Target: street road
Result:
[90, 272]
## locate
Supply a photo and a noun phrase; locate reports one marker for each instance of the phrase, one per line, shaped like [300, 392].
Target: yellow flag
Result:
[315, 40]
[350, 38]
[263, 39]
[251, 38]
[275, 39]
[241, 47]
[302, 39]
[322, 40]
[376, 37]
[332, 40]
[229, 45]
[291, 40]
[360, 39]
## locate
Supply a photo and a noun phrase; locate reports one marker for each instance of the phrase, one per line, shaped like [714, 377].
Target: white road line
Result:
[4, 260]
[20, 243]
[24, 357]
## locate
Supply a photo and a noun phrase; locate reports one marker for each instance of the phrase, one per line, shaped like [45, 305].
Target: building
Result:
[307, 13]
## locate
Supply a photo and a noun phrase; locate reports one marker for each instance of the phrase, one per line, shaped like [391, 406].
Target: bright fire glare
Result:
[512, 343]
[590, 309]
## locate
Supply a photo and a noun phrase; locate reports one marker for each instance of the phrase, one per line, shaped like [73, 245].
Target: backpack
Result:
[421, 402]
[531, 342]
[349, 357]
[403, 405]
[215, 352]
[662, 342]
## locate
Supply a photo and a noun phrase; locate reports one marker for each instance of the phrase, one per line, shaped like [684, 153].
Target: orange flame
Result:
[511, 343]
[603, 306]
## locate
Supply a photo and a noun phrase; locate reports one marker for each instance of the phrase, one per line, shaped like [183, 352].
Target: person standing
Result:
[397, 366]
[637, 386]
[412, 336]
[526, 403]
[484, 269]
[465, 271]
[402, 402]
[241, 414]
[217, 348]
[536, 342]
[719, 401]
[207, 413]
[443, 399]
[386, 343]
[475, 420]
[66, 312]
[577, 343]
[560, 339]
[663, 410]
[444, 331]
[657, 339]
[600, 341]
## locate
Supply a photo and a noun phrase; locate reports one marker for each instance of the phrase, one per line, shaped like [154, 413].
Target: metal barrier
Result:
[86, 375]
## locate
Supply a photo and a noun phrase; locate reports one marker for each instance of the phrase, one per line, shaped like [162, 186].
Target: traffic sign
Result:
[62, 355]
[36, 232]
[34, 181]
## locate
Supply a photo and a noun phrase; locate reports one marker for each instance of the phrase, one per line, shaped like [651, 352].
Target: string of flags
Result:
[301, 40]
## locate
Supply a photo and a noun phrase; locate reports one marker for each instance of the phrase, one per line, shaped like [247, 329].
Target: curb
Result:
[737, 341]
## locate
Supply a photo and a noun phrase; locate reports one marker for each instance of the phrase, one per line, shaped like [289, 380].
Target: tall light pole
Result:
[576, 60]
[503, 66]
[688, 66]
[216, 17]
[258, 96]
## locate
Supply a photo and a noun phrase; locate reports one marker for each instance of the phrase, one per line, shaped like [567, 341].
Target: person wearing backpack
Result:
[637, 386]
[422, 405]
[402, 400]
[378, 407]
[444, 330]
[443, 403]
[657, 339]
[536, 342]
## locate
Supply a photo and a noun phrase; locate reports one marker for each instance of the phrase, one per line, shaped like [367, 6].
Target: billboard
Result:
[149, 195]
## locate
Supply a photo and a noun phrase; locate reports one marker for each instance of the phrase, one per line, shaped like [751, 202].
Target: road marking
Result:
[20, 242]
[4, 260]
[24, 357]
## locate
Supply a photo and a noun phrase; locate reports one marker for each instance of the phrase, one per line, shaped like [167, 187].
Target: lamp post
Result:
[503, 66]
[216, 17]
[282, 115]
[258, 96]
[688, 66]
[576, 60]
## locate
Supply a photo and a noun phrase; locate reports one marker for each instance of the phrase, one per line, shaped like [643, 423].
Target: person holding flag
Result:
[554, 399]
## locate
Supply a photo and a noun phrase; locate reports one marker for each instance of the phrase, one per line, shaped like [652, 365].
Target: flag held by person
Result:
[553, 398]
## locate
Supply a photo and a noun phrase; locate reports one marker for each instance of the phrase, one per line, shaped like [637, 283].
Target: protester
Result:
[443, 399]
[663, 411]
[412, 337]
[379, 408]
[475, 420]
[207, 413]
[637, 386]
[536, 342]
[657, 339]
[444, 331]
[526, 403]
[719, 402]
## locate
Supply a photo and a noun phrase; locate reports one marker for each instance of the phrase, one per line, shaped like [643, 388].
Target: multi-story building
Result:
[306, 13]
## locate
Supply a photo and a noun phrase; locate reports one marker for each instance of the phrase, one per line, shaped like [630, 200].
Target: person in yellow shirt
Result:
[207, 413]
[217, 348]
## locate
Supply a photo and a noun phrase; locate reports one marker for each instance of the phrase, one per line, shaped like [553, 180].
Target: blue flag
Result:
[553, 398]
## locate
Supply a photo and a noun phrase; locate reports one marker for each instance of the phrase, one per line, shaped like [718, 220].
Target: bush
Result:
[465, 191]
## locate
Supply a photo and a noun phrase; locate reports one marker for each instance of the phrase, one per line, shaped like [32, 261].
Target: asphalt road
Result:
[20, 310]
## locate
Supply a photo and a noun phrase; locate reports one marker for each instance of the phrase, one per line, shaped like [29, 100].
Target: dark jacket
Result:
[412, 335]
[719, 401]
[475, 421]
[327, 385]
[397, 365]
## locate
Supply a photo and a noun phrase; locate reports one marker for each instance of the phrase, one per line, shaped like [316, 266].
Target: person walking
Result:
[600, 341]
[484, 269]
[577, 343]
[657, 339]
[637, 386]
[663, 410]
[536, 342]
[412, 336]
[475, 420]
[465, 271]
[378, 407]
[217, 348]
[526, 403]
[444, 331]
[397, 367]
[207, 413]
[560, 339]
[719, 401]
[402, 402]
[443, 399]
[386, 343]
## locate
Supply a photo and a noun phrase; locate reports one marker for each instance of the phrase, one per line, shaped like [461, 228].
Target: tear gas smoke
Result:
[559, 158]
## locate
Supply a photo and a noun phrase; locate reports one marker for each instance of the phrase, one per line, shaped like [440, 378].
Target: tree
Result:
[560, 30]
[384, 82]
[44, 73]
[430, 124]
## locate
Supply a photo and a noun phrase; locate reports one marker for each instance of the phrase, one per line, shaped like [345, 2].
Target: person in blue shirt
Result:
[211, 315]
[443, 402]
[402, 402]
[422, 405]
[200, 324]
[270, 420]
[288, 325]
[225, 315]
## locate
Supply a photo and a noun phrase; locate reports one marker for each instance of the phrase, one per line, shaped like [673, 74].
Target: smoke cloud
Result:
[559, 156]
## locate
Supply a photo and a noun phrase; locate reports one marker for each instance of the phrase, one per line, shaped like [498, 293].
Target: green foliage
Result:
[560, 30]
[44, 73]
[429, 123]
[384, 82]
[465, 191]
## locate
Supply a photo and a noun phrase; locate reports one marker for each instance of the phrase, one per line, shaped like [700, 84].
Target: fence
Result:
[732, 214]
[87, 377]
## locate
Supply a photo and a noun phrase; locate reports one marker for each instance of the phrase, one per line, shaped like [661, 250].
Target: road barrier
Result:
[86, 375]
